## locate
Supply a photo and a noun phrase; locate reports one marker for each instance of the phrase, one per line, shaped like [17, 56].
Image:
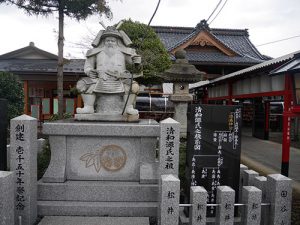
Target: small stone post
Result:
[7, 198]
[225, 210]
[260, 182]
[279, 194]
[3, 134]
[23, 161]
[169, 200]
[252, 210]
[169, 147]
[198, 199]
[241, 183]
[248, 177]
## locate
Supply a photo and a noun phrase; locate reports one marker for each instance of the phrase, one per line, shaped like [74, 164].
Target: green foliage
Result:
[56, 117]
[43, 160]
[78, 9]
[11, 89]
[155, 58]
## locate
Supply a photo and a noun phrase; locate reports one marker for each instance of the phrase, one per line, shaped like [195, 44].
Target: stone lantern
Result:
[181, 74]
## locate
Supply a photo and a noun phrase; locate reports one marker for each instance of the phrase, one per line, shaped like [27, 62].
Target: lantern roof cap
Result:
[182, 70]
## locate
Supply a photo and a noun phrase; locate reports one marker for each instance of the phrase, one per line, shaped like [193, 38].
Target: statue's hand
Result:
[102, 75]
[93, 74]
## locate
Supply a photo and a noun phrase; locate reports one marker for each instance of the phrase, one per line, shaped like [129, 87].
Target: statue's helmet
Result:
[111, 32]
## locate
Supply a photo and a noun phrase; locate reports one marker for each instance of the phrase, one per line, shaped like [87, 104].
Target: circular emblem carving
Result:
[112, 157]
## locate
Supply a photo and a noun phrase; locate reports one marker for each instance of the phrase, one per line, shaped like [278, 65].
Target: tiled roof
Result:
[219, 57]
[236, 40]
[40, 65]
[277, 62]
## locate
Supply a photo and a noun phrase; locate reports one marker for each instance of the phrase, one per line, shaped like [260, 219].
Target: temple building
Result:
[216, 52]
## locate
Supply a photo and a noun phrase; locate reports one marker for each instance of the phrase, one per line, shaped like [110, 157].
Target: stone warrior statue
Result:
[106, 72]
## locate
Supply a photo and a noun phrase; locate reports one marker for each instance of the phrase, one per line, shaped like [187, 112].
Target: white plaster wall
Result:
[255, 84]
[277, 83]
[246, 86]
[265, 83]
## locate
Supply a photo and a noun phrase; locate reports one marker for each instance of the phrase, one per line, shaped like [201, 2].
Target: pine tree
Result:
[78, 9]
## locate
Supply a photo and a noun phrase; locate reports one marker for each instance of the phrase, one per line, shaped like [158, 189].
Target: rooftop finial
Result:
[31, 44]
[203, 25]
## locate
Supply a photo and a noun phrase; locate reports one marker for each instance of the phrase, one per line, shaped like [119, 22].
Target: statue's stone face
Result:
[110, 42]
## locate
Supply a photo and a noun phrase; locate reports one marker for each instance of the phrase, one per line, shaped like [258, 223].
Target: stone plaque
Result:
[103, 158]
[213, 148]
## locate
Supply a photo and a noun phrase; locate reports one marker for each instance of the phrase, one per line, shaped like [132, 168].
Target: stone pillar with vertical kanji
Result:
[198, 199]
[279, 194]
[251, 197]
[169, 194]
[225, 209]
[23, 161]
[169, 147]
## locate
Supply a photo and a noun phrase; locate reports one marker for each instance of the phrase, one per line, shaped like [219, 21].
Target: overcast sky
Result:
[266, 21]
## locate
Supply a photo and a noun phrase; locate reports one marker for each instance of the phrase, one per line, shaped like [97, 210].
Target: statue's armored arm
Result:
[89, 67]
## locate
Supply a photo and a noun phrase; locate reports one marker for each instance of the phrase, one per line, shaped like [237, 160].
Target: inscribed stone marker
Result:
[213, 149]
[169, 200]
[198, 200]
[251, 197]
[169, 147]
[225, 210]
[23, 161]
[279, 194]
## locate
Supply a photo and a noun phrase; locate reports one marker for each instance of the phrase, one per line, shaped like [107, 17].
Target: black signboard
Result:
[213, 148]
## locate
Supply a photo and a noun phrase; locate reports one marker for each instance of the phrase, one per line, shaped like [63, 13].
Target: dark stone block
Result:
[213, 148]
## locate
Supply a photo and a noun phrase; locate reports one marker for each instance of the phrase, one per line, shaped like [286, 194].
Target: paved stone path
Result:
[265, 157]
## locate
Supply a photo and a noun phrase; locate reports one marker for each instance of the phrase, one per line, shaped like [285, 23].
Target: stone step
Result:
[97, 191]
[114, 209]
[78, 220]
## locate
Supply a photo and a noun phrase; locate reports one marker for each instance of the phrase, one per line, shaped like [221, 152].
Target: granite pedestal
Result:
[98, 169]
[67, 220]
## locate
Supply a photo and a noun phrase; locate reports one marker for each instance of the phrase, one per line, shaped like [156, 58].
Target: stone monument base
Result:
[68, 220]
[107, 117]
[100, 169]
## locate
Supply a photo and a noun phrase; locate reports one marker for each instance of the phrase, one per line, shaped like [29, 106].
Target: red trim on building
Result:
[254, 95]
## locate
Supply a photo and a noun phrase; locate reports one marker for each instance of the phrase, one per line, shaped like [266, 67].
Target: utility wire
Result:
[154, 12]
[218, 12]
[214, 10]
[272, 42]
